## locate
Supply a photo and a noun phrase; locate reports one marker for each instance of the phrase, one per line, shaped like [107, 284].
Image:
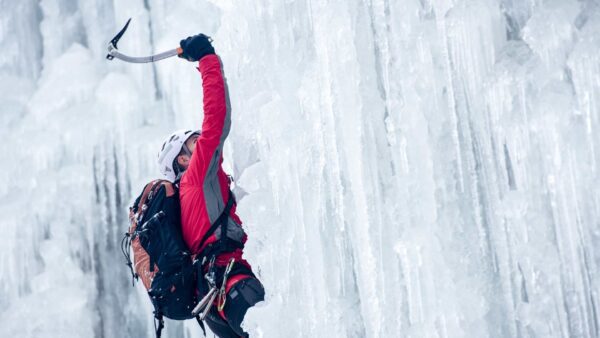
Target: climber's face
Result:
[191, 142]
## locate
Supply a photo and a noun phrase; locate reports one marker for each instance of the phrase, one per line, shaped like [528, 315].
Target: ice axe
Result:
[113, 51]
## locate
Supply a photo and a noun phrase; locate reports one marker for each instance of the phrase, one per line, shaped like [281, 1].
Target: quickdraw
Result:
[223, 292]
[206, 302]
[204, 306]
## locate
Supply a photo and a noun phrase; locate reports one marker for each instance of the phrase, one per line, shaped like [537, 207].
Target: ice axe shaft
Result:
[113, 51]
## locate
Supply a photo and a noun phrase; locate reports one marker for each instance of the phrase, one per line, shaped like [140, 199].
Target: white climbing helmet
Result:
[169, 151]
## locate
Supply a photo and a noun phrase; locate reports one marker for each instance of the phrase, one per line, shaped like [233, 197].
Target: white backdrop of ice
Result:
[412, 168]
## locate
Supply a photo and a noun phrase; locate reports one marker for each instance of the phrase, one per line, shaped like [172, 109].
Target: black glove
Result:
[196, 47]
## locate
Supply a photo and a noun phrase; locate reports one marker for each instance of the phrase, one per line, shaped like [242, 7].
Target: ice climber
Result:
[193, 160]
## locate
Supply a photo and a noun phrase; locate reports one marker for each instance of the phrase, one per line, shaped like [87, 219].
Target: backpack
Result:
[161, 258]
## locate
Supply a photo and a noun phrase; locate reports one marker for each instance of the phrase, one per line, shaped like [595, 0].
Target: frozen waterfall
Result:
[405, 168]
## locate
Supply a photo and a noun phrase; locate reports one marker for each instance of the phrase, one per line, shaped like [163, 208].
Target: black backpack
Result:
[161, 258]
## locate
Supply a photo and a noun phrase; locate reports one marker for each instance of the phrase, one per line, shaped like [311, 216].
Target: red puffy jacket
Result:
[204, 187]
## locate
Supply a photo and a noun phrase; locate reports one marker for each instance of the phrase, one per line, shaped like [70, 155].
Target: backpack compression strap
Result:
[136, 213]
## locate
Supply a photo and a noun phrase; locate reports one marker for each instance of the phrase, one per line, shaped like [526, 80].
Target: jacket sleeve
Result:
[215, 126]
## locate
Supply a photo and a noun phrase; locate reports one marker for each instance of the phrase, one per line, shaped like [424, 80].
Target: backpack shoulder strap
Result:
[221, 221]
[170, 188]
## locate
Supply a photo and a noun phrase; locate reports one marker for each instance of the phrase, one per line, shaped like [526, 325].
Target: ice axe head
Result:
[116, 39]
[113, 52]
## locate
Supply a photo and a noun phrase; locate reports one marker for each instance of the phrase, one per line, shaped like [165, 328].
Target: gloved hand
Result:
[196, 47]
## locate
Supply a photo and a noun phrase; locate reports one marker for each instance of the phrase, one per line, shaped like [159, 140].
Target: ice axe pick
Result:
[113, 51]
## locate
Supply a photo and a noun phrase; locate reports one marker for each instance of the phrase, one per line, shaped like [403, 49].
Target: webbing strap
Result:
[221, 221]
[161, 325]
[201, 325]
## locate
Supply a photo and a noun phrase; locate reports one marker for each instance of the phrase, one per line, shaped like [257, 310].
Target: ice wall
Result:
[414, 168]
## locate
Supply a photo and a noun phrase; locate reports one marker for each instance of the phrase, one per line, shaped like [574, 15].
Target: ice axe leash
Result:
[113, 51]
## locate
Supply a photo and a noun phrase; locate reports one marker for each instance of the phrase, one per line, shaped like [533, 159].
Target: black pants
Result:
[242, 296]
